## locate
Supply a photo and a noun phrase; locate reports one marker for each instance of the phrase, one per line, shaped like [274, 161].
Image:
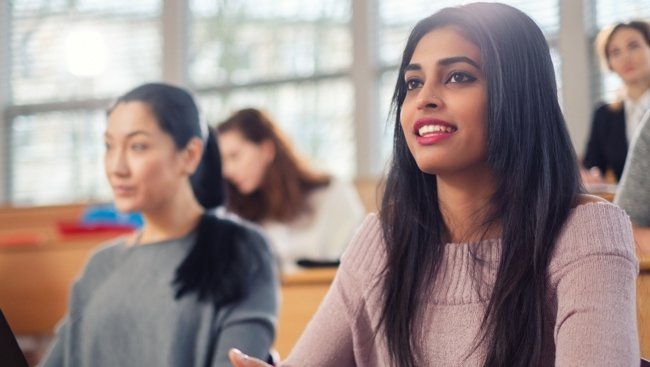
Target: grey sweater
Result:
[123, 312]
[634, 189]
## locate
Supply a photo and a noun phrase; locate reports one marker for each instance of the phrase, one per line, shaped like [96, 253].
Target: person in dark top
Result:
[625, 49]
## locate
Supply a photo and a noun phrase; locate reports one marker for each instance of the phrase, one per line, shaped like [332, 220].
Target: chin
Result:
[246, 189]
[126, 206]
[428, 168]
[432, 165]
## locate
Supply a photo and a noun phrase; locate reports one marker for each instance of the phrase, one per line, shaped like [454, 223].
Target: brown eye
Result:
[413, 83]
[459, 77]
[138, 147]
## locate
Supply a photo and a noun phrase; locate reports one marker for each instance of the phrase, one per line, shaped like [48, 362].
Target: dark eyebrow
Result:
[456, 59]
[413, 67]
[445, 62]
[131, 134]
[137, 132]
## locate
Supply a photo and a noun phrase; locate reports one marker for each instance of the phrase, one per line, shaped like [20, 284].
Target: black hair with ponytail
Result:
[220, 265]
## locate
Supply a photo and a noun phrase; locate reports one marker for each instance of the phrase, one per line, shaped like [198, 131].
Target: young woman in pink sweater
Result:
[484, 252]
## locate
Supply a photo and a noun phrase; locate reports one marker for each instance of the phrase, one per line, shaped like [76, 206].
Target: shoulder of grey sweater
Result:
[365, 256]
[593, 229]
[105, 257]
[640, 146]
[102, 262]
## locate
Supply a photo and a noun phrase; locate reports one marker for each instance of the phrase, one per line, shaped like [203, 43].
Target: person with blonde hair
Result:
[624, 49]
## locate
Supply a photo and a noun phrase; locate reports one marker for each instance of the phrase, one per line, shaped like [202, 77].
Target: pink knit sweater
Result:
[592, 296]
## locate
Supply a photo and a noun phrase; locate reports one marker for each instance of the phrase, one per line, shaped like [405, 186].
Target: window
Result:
[57, 157]
[290, 58]
[68, 59]
[82, 49]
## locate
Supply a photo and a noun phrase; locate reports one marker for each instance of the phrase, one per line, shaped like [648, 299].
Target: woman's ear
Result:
[192, 155]
[268, 150]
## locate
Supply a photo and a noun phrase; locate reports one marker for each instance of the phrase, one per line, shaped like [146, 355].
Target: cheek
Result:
[406, 119]
[156, 177]
[256, 171]
[644, 57]
[253, 164]
[614, 63]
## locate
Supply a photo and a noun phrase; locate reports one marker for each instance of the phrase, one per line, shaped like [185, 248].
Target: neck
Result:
[636, 89]
[465, 204]
[173, 218]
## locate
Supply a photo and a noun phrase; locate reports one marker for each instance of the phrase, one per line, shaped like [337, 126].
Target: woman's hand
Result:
[239, 359]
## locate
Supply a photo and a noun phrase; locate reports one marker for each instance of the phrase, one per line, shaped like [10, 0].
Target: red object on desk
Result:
[20, 240]
[76, 228]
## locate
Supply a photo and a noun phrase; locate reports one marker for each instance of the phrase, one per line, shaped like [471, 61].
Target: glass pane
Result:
[398, 17]
[239, 41]
[386, 122]
[85, 49]
[611, 11]
[57, 157]
[316, 116]
[45, 7]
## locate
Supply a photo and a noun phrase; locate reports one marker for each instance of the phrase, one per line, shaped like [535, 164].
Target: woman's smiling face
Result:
[444, 113]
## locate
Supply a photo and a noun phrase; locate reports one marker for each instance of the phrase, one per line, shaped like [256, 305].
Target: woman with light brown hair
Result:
[624, 48]
[306, 214]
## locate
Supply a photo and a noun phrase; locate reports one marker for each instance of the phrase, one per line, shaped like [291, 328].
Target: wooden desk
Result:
[13, 218]
[643, 306]
[302, 293]
[35, 281]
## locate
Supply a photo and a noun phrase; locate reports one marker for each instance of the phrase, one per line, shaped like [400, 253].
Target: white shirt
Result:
[324, 233]
[634, 111]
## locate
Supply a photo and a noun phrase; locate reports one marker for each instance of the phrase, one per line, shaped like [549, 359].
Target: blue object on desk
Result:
[108, 214]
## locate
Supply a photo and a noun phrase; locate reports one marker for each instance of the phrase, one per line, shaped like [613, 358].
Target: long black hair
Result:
[219, 265]
[536, 178]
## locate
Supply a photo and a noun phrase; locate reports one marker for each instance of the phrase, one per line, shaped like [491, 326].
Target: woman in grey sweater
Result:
[634, 189]
[188, 286]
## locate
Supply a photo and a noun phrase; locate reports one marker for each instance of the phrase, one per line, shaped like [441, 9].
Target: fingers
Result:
[239, 359]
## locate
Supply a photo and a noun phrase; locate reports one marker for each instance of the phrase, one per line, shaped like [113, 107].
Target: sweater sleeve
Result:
[54, 356]
[100, 264]
[337, 333]
[249, 325]
[634, 190]
[594, 273]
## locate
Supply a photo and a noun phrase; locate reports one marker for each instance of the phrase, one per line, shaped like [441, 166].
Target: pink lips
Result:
[431, 138]
[123, 190]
